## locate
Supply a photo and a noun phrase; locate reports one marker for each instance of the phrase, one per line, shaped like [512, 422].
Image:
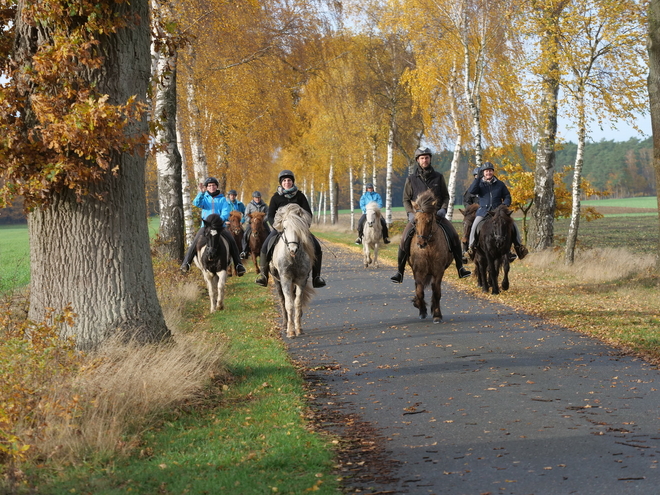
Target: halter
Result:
[287, 242]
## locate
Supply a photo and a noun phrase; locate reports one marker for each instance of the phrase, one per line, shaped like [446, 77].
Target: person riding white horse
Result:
[369, 196]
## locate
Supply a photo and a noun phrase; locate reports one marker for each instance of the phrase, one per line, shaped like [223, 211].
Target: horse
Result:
[373, 234]
[430, 255]
[236, 229]
[492, 249]
[291, 264]
[258, 235]
[213, 259]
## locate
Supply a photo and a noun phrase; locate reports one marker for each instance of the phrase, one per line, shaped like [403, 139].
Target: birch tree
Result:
[654, 94]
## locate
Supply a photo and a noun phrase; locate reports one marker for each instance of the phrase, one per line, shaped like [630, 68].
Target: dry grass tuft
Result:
[122, 388]
[595, 265]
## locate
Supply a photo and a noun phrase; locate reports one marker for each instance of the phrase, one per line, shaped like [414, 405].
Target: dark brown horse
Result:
[492, 249]
[429, 255]
[258, 235]
[236, 229]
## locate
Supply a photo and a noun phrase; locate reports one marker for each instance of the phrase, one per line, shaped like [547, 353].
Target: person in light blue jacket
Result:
[234, 204]
[210, 200]
[369, 196]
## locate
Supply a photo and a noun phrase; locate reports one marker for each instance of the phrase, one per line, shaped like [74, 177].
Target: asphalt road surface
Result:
[491, 401]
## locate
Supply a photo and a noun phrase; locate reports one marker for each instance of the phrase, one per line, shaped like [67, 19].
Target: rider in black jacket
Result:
[287, 192]
[425, 177]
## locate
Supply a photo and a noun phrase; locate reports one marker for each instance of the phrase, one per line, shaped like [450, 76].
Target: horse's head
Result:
[212, 226]
[294, 223]
[235, 221]
[256, 220]
[425, 207]
[502, 227]
[373, 213]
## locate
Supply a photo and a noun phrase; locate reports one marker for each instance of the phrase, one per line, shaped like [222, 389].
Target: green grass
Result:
[251, 438]
[645, 202]
[14, 257]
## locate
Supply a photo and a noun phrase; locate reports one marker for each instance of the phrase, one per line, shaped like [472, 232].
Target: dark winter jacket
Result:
[420, 181]
[278, 200]
[491, 194]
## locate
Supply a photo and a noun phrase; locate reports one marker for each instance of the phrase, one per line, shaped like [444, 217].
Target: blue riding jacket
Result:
[368, 197]
[210, 204]
[237, 205]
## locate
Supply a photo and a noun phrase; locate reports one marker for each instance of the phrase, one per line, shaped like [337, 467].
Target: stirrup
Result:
[243, 255]
[463, 272]
[262, 280]
[318, 282]
[398, 278]
[358, 240]
[386, 240]
[185, 267]
[240, 270]
[521, 251]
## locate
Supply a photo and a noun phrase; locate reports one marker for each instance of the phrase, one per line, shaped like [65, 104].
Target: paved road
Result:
[491, 401]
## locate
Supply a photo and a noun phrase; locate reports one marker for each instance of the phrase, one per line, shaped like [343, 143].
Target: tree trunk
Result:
[94, 254]
[199, 162]
[388, 174]
[331, 191]
[571, 240]
[654, 95]
[185, 190]
[168, 160]
[351, 200]
[453, 99]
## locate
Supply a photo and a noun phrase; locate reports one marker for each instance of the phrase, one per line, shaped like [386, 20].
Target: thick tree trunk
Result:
[654, 94]
[94, 255]
[168, 161]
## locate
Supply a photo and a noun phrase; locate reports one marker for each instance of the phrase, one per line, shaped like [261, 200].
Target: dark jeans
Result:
[363, 220]
[267, 254]
[233, 248]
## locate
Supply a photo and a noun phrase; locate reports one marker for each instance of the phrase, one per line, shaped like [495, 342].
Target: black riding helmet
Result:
[284, 174]
[232, 191]
[487, 166]
[211, 180]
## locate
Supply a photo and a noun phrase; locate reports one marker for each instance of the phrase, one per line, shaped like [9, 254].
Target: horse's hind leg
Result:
[435, 300]
[419, 302]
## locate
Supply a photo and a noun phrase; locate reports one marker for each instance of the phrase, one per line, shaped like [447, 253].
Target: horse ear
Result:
[415, 206]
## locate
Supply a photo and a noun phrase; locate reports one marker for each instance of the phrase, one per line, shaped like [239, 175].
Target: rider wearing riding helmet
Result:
[492, 193]
[253, 206]
[287, 193]
[210, 200]
[369, 196]
[235, 205]
[471, 199]
[425, 177]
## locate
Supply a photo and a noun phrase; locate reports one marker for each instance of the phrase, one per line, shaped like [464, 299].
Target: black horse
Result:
[492, 248]
[213, 259]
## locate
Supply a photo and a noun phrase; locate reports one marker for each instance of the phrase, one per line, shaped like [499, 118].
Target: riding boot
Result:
[458, 259]
[402, 259]
[264, 259]
[521, 250]
[191, 253]
[317, 280]
[233, 250]
[245, 247]
[386, 233]
[360, 229]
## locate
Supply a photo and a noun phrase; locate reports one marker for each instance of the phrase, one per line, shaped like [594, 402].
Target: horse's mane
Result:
[373, 206]
[293, 212]
[214, 221]
[426, 202]
[235, 214]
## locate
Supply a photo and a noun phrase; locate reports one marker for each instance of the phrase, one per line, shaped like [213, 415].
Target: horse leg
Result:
[222, 281]
[289, 308]
[435, 299]
[298, 308]
[376, 254]
[365, 251]
[256, 263]
[493, 273]
[208, 277]
[505, 266]
[419, 302]
[483, 274]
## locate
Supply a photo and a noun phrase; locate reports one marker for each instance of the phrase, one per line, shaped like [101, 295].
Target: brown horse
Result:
[429, 255]
[236, 229]
[258, 235]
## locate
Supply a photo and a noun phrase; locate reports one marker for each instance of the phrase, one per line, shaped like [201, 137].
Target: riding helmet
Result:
[211, 180]
[487, 166]
[422, 151]
[284, 174]
[232, 191]
[256, 194]
[369, 185]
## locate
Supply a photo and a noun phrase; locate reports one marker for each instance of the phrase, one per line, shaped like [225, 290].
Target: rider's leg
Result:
[233, 251]
[455, 246]
[245, 248]
[264, 259]
[192, 251]
[521, 250]
[360, 228]
[404, 251]
[317, 280]
[473, 232]
[386, 233]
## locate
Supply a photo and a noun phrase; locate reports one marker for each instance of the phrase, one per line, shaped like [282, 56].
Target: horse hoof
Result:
[422, 316]
[437, 319]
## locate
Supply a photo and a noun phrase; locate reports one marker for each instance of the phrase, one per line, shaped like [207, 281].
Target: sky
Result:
[623, 131]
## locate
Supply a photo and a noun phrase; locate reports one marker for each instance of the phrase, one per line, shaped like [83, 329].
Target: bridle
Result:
[287, 242]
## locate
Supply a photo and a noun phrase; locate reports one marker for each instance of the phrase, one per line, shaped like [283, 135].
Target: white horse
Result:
[212, 259]
[372, 235]
[291, 264]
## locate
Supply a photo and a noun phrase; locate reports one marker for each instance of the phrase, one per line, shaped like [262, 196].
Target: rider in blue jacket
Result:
[210, 200]
[492, 193]
[234, 204]
[369, 196]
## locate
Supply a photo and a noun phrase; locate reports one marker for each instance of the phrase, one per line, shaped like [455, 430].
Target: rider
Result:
[234, 204]
[253, 206]
[492, 193]
[425, 177]
[369, 196]
[471, 199]
[287, 192]
[210, 200]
